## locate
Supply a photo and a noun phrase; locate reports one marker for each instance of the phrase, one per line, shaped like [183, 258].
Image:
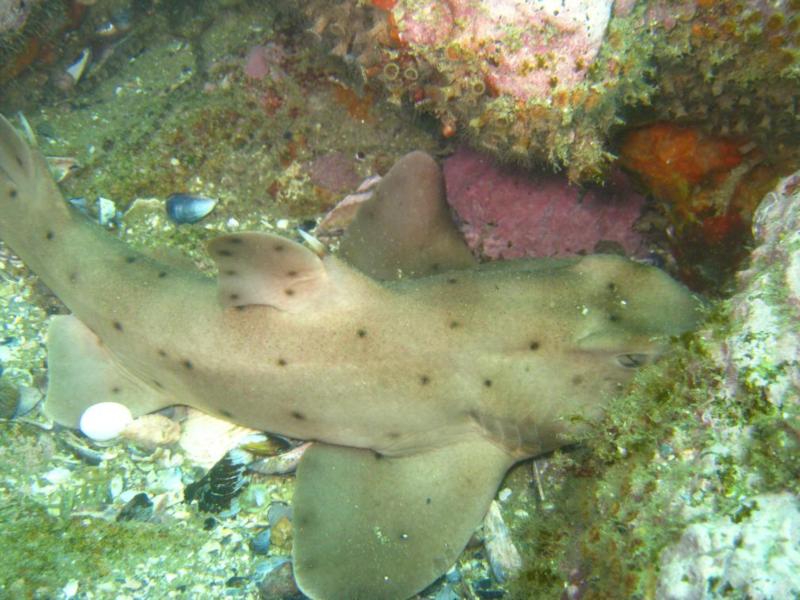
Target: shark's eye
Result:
[631, 361]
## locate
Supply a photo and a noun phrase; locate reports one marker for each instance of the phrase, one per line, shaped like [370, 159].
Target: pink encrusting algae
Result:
[510, 213]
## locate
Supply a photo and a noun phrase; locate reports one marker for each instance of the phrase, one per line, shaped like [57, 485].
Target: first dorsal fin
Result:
[405, 229]
[262, 268]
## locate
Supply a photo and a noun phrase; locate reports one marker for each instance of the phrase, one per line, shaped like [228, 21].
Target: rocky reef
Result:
[554, 82]
[692, 487]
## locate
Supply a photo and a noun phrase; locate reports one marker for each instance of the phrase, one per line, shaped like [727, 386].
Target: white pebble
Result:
[105, 420]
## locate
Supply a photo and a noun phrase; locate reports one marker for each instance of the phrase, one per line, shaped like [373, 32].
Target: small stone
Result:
[236, 582]
[104, 421]
[282, 535]
[206, 439]
[278, 511]
[503, 555]
[57, 475]
[9, 399]
[151, 431]
[260, 543]
[70, 590]
[446, 593]
[278, 584]
[138, 508]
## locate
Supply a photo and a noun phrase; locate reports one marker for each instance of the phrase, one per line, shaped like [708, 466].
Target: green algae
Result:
[671, 450]
[42, 552]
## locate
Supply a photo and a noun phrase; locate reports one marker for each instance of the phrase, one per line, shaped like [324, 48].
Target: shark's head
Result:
[601, 318]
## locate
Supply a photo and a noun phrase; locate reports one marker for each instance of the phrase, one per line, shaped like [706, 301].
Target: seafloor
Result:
[167, 107]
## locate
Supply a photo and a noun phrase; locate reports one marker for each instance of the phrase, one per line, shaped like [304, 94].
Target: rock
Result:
[763, 347]
[9, 399]
[260, 542]
[334, 172]
[151, 431]
[503, 555]
[512, 213]
[206, 439]
[757, 558]
[138, 508]
[105, 421]
[278, 584]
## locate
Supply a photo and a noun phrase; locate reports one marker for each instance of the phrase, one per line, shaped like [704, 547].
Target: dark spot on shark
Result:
[291, 273]
[424, 379]
[235, 240]
[12, 193]
[224, 252]
[487, 383]
[577, 380]
[73, 277]
[427, 500]
[631, 361]
[234, 296]
[298, 415]
[279, 247]
[361, 333]
[282, 362]
[614, 318]
[230, 272]
[158, 384]
[117, 325]
[534, 345]
[393, 435]
[115, 390]
[162, 353]
[452, 280]
[612, 287]
[454, 324]
[49, 235]
[188, 364]
[303, 520]
[289, 292]
[130, 259]
[226, 413]
[162, 274]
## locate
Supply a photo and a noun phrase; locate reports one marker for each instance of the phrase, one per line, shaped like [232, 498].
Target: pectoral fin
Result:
[82, 372]
[378, 528]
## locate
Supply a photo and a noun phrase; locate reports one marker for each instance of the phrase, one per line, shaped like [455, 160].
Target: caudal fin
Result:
[17, 166]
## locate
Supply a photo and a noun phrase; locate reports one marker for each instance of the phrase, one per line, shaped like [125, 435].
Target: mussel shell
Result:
[187, 208]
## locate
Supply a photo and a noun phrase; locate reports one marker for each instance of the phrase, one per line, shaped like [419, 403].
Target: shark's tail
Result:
[32, 209]
[17, 165]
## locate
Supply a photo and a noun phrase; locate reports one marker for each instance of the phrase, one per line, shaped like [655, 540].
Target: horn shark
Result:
[421, 375]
